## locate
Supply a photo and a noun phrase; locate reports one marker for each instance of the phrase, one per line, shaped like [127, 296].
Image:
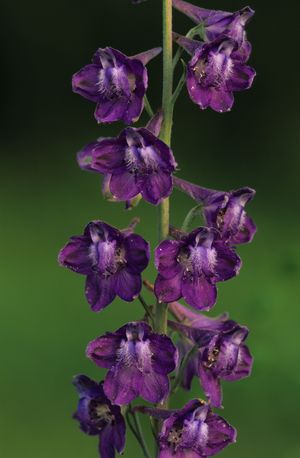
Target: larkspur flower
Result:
[116, 83]
[216, 70]
[99, 417]
[222, 353]
[216, 23]
[191, 266]
[111, 259]
[192, 432]
[135, 163]
[138, 360]
[224, 211]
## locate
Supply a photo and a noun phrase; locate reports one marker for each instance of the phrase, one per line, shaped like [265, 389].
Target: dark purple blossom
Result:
[191, 266]
[216, 70]
[138, 360]
[116, 83]
[112, 261]
[216, 23]
[136, 162]
[99, 417]
[225, 211]
[221, 355]
[194, 432]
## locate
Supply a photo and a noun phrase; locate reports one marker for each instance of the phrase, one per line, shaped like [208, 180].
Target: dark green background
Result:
[45, 198]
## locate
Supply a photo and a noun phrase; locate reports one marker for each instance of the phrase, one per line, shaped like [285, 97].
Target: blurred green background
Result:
[45, 198]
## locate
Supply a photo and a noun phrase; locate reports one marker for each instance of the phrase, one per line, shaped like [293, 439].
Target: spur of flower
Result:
[216, 70]
[134, 163]
[116, 83]
[191, 266]
[112, 261]
[221, 355]
[139, 361]
[225, 211]
[97, 416]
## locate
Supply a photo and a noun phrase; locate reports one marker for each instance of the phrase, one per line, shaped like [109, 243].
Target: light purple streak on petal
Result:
[107, 156]
[85, 82]
[241, 77]
[99, 291]
[103, 350]
[76, 255]
[123, 185]
[168, 290]
[127, 285]
[246, 232]
[199, 293]
[243, 365]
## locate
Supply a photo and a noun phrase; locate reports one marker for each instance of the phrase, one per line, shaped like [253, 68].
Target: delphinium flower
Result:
[222, 353]
[191, 266]
[216, 70]
[140, 357]
[99, 417]
[116, 83]
[139, 361]
[224, 211]
[112, 261]
[136, 162]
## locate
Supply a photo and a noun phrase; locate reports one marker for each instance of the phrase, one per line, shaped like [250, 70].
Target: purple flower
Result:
[136, 162]
[97, 416]
[138, 360]
[225, 211]
[216, 23]
[216, 70]
[111, 259]
[116, 83]
[191, 267]
[194, 432]
[222, 354]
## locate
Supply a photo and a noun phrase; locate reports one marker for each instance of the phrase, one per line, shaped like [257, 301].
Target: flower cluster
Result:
[138, 164]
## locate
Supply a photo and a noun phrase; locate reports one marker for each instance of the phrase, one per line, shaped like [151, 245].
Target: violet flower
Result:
[191, 267]
[116, 83]
[216, 70]
[224, 211]
[193, 432]
[216, 23]
[99, 417]
[221, 356]
[136, 162]
[112, 261]
[138, 360]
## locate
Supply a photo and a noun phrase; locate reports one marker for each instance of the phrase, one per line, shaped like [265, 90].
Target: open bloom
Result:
[112, 261]
[99, 417]
[136, 162]
[224, 211]
[138, 360]
[194, 432]
[216, 70]
[116, 83]
[191, 267]
[222, 353]
[216, 23]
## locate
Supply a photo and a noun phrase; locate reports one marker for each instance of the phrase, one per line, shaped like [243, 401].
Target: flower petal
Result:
[123, 384]
[166, 258]
[210, 385]
[107, 156]
[243, 365]
[137, 253]
[85, 82]
[76, 255]
[221, 100]
[99, 291]
[127, 285]
[154, 387]
[168, 290]
[199, 293]
[157, 186]
[241, 77]
[228, 263]
[164, 353]
[103, 350]
[123, 185]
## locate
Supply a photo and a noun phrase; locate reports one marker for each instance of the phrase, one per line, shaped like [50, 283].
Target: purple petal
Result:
[76, 255]
[137, 253]
[228, 262]
[241, 77]
[200, 95]
[243, 365]
[156, 187]
[127, 285]
[220, 434]
[166, 258]
[221, 100]
[103, 350]
[154, 125]
[199, 293]
[243, 53]
[168, 290]
[85, 82]
[111, 110]
[210, 385]
[84, 157]
[99, 291]
[123, 185]
[146, 56]
[123, 384]
[106, 443]
[246, 232]
[120, 435]
[189, 45]
[107, 156]
[164, 357]
[154, 387]
[87, 387]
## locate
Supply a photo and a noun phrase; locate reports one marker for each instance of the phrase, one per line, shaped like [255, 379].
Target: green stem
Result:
[192, 214]
[146, 307]
[184, 363]
[148, 107]
[137, 432]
